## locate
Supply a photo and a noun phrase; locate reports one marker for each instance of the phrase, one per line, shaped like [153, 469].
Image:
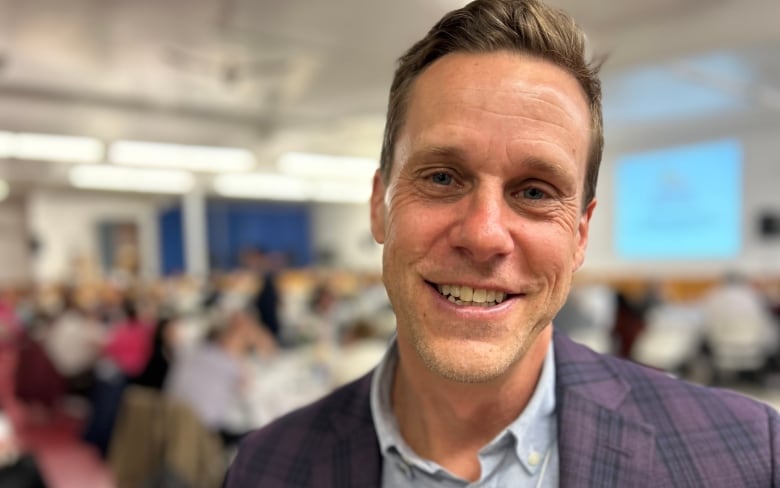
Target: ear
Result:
[378, 208]
[582, 232]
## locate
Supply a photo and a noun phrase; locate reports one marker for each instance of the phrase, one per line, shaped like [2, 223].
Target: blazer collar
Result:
[601, 442]
[355, 459]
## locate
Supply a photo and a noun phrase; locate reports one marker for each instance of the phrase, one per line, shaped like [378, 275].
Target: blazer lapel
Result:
[599, 443]
[355, 460]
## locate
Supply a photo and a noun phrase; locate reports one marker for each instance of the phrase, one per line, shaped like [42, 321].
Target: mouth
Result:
[471, 297]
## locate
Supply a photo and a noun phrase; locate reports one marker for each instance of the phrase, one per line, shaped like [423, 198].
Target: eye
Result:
[441, 178]
[534, 193]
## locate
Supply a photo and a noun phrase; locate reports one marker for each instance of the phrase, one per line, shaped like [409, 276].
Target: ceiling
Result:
[313, 76]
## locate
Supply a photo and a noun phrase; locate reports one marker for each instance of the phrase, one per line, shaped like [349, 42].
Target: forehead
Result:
[508, 95]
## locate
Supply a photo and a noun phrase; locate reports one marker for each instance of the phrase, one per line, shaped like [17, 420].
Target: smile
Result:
[468, 296]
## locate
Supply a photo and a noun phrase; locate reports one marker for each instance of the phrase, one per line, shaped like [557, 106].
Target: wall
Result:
[344, 232]
[15, 254]
[761, 192]
[237, 225]
[65, 223]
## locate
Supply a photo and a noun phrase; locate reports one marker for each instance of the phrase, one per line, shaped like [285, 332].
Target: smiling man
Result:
[483, 202]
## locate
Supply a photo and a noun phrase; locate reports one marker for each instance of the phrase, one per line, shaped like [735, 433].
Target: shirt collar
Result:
[536, 431]
[533, 432]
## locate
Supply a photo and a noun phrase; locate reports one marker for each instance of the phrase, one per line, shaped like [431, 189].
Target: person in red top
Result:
[129, 343]
[125, 355]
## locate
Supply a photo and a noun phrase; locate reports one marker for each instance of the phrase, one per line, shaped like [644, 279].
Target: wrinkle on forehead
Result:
[540, 82]
[538, 111]
[548, 97]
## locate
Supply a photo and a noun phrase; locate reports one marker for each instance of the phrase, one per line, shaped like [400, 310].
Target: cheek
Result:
[549, 253]
[414, 228]
[402, 245]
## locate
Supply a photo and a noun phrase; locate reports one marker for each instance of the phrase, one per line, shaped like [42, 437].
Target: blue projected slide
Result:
[680, 203]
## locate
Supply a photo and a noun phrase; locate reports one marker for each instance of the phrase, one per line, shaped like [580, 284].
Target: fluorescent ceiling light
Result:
[261, 185]
[322, 166]
[180, 156]
[340, 192]
[103, 177]
[6, 144]
[50, 147]
[270, 186]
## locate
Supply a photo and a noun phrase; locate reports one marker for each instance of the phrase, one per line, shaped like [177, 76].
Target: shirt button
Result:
[534, 458]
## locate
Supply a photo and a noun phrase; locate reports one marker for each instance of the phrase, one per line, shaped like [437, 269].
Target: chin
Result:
[466, 361]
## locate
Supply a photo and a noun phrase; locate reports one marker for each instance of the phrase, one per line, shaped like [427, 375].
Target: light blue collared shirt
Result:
[525, 453]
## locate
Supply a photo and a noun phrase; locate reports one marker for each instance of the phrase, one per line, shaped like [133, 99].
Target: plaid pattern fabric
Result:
[620, 425]
[625, 425]
[329, 443]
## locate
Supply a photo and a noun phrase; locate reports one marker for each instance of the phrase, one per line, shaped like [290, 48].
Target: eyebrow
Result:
[449, 153]
[544, 166]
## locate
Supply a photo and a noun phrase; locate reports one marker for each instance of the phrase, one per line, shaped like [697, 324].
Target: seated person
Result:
[209, 377]
[164, 342]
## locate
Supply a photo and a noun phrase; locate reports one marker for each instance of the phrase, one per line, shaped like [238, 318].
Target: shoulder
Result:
[291, 445]
[675, 409]
[690, 435]
[659, 391]
[728, 435]
[655, 390]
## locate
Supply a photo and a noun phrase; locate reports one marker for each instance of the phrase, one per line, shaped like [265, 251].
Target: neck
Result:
[449, 422]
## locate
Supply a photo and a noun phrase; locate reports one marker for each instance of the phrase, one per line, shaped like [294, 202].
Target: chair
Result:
[159, 442]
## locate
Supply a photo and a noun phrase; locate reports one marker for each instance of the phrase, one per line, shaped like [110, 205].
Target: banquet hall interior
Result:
[185, 250]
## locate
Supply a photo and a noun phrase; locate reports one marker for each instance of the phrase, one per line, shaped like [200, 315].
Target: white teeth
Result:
[466, 295]
[479, 295]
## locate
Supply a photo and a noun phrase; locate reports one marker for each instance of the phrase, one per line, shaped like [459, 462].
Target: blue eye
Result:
[534, 193]
[441, 178]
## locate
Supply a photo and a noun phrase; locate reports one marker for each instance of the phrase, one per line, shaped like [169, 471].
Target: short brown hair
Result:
[482, 26]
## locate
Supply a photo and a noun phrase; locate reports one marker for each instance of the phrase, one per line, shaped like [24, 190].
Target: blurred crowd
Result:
[226, 353]
[720, 332]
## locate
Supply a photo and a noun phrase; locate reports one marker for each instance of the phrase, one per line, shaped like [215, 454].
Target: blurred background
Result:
[184, 240]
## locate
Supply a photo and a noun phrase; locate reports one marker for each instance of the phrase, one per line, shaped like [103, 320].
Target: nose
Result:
[482, 230]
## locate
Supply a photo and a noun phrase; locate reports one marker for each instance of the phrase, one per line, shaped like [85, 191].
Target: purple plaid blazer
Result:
[619, 425]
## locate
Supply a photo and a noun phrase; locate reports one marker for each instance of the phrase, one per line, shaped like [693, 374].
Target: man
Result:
[483, 202]
[266, 300]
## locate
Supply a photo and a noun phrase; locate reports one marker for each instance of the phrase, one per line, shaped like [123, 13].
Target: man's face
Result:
[484, 198]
